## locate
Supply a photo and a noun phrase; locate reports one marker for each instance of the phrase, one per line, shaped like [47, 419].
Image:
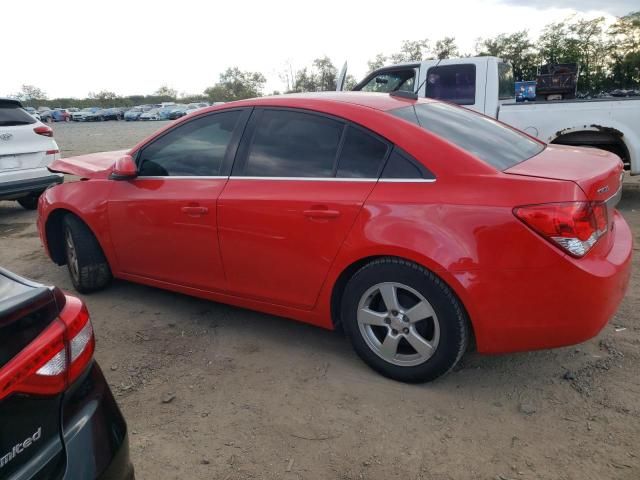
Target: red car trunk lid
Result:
[597, 172]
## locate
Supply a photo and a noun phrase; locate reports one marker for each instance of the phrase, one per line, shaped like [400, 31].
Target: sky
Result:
[69, 48]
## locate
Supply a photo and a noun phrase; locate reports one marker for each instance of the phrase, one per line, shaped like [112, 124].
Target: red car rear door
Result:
[163, 223]
[299, 182]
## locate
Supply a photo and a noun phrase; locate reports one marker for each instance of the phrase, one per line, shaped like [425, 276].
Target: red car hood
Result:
[597, 172]
[88, 166]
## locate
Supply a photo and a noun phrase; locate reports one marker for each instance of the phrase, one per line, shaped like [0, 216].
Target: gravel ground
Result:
[77, 138]
[212, 391]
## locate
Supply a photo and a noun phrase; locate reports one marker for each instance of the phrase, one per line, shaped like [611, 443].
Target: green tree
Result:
[305, 81]
[30, 95]
[319, 77]
[411, 51]
[378, 61]
[235, 84]
[556, 45]
[592, 51]
[166, 92]
[515, 48]
[446, 48]
[326, 73]
[624, 63]
[350, 82]
[104, 98]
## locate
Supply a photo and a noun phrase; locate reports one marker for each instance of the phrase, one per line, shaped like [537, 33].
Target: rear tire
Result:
[404, 321]
[30, 202]
[88, 267]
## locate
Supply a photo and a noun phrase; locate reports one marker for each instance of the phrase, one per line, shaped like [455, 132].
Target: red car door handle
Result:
[192, 210]
[321, 213]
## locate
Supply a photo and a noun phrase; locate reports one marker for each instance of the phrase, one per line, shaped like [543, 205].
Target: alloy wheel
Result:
[398, 324]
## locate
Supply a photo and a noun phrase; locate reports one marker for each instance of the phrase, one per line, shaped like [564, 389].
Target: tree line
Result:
[608, 57]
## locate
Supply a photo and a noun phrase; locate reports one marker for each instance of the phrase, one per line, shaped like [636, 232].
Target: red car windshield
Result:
[492, 142]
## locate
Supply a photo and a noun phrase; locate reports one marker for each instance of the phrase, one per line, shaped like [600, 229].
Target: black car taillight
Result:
[55, 358]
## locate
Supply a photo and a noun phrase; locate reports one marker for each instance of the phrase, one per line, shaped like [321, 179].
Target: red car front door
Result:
[163, 223]
[297, 188]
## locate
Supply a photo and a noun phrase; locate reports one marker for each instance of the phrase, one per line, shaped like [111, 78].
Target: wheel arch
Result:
[54, 231]
[349, 270]
[597, 136]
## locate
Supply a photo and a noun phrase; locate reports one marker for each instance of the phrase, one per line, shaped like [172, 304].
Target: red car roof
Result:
[378, 101]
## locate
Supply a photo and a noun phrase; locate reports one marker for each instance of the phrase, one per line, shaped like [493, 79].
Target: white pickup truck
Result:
[485, 84]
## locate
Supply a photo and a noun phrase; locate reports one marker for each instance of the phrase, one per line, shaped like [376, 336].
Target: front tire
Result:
[404, 321]
[88, 267]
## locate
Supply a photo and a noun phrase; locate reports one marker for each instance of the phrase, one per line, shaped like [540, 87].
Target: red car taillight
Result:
[54, 360]
[44, 131]
[573, 226]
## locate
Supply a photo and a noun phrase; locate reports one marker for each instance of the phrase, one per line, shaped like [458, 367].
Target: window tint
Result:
[293, 144]
[390, 81]
[11, 116]
[402, 165]
[362, 155]
[453, 83]
[490, 141]
[506, 85]
[196, 148]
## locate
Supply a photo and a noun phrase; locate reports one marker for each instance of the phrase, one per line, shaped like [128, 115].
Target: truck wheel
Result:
[403, 321]
[30, 202]
[88, 267]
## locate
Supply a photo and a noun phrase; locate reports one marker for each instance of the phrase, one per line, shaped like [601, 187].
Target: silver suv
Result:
[27, 147]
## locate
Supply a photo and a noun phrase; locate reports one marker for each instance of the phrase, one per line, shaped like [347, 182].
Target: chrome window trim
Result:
[345, 179]
[407, 180]
[183, 177]
[307, 179]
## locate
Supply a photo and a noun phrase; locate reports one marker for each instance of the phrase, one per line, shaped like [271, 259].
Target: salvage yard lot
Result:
[212, 391]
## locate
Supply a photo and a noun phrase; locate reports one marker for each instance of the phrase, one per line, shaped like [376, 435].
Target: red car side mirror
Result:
[124, 169]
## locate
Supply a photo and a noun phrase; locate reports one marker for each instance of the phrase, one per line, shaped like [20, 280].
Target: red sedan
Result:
[414, 225]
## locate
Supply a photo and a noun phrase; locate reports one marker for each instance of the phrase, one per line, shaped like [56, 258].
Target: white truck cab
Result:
[485, 84]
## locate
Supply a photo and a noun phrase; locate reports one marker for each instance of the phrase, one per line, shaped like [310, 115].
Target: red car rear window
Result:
[492, 142]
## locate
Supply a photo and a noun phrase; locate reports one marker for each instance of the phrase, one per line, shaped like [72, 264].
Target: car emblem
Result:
[604, 189]
[6, 136]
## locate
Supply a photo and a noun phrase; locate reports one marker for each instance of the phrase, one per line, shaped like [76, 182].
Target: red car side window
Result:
[196, 148]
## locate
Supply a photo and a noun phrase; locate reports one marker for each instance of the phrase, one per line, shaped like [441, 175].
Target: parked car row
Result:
[46, 114]
[169, 112]
[163, 111]
[95, 114]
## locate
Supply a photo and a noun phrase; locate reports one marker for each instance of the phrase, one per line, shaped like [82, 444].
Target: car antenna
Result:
[411, 95]
[426, 77]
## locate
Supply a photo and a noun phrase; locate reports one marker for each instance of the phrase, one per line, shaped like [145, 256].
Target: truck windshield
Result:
[390, 81]
[492, 142]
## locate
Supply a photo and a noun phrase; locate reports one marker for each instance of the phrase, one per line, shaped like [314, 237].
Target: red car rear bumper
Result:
[518, 310]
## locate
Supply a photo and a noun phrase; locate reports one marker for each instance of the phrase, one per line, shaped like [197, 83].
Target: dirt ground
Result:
[212, 391]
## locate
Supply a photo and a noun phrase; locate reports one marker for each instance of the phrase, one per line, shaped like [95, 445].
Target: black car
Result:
[178, 112]
[104, 114]
[58, 418]
[112, 114]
